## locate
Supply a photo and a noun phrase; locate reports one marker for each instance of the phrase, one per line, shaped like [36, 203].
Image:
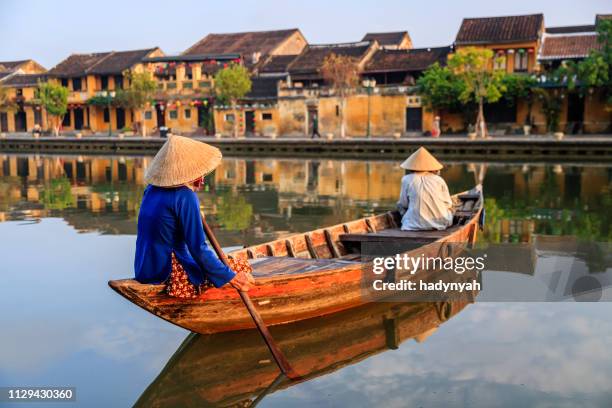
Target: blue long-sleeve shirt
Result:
[169, 221]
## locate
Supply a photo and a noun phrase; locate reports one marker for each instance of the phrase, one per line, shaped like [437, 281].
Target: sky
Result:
[48, 31]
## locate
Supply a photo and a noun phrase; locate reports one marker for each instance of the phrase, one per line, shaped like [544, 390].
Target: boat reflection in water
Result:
[236, 368]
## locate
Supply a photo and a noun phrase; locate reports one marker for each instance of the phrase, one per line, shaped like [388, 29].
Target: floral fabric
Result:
[179, 286]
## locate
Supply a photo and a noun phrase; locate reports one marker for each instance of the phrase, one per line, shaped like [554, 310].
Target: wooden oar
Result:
[278, 355]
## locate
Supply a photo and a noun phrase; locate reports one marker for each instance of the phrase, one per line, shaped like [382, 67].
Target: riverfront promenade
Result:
[510, 148]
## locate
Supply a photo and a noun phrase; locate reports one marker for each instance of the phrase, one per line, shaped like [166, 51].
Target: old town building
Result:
[289, 91]
[21, 79]
[580, 112]
[514, 41]
[396, 40]
[255, 47]
[102, 74]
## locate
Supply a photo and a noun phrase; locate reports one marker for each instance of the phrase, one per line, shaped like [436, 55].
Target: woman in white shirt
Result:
[425, 203]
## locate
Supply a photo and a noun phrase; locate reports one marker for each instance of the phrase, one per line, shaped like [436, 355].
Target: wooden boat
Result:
[235, 369]
[305, 275]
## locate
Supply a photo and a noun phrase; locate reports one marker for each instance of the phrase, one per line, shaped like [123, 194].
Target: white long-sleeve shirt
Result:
[425, 203]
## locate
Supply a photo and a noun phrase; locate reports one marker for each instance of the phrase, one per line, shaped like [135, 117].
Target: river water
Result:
[68, 225]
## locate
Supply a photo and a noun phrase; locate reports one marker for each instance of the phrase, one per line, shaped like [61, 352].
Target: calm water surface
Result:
[68, 226]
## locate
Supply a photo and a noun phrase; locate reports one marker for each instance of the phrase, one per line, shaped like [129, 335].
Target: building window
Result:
[521, 59]
[337, 110]
[66, 121]
[266, 116]
[229, 117]
[19, 92]
[106, 115]
[118, 82]
[76, 84]
[148, 115]
[267, 177]
[173, 114]
[104, 82]
[187, 113]
[64, 82]
[500, 60]
[37, 116]
[204, 84]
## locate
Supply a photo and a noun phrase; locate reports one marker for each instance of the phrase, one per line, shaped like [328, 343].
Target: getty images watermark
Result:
[543, 270]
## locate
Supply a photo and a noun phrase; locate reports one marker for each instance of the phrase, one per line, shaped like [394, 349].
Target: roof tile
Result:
[491, 30]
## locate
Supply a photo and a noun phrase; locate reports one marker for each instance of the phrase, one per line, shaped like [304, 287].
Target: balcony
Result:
[77, 97]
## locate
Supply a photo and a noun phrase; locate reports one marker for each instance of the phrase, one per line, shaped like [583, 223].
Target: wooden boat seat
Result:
[269, 266]
[396, 234]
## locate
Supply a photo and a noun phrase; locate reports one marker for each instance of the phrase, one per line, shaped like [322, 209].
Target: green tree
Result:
[138, 95]
[232, 84]
[481, 83]
[54, 99]
[6, 101]
[551, 107]
[57, 194]
[520, 87]
[234, 212]
[342, 74]
[440, 89]
[595, 71]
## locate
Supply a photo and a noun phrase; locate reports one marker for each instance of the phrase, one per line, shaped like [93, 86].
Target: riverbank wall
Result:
[540, 148]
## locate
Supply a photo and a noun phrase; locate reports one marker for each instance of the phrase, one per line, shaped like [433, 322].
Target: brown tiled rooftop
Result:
[245, 43]
[277, 64]
[415, 59]
[26, 80]
[587, 28]
[11, 65]
[311, 59]
[558, 47]
[118, 61]
[491, 30]
[101, 63]
[385, 39]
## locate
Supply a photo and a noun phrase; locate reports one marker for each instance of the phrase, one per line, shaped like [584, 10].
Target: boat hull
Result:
[297, 278]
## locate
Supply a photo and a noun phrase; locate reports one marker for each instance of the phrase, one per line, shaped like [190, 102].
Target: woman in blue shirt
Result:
[171, 246]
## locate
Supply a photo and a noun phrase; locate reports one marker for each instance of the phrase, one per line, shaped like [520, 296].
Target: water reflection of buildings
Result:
[77, 187]
[104, 193]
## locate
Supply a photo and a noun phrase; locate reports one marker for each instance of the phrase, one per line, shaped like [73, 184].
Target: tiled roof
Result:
[118, 61]
[491, 30]
[11, 65]
[277, 64]
[245, 43]
[390, 38]
[101, 63]
[311, 59]
[558, 47]
[571, 29]
[26, 80]
[415, 59]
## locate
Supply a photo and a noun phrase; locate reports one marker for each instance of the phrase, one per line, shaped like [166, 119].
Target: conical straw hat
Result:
[421, 160]
[181, 160]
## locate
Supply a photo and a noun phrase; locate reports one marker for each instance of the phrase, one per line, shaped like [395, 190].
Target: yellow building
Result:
[515, 41]
[264, 53]
[21, 78]
[580, 113]
[93, 75]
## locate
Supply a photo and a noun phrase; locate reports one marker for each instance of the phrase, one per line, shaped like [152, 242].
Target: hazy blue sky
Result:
[49, 31]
